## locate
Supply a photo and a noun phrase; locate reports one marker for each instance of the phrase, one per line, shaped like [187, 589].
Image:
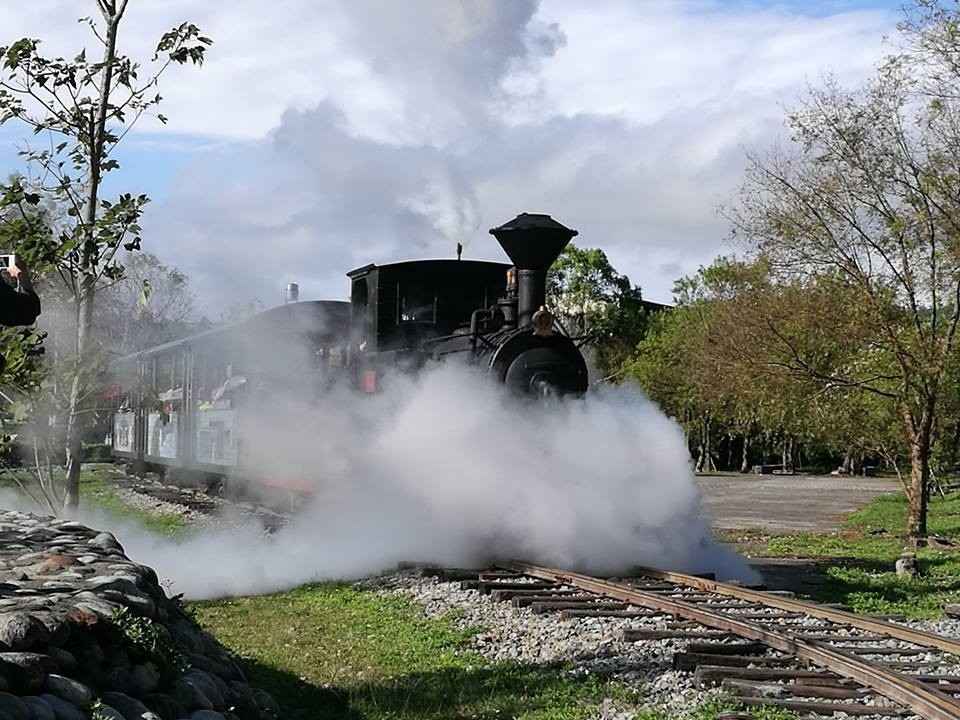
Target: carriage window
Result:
[418, 303]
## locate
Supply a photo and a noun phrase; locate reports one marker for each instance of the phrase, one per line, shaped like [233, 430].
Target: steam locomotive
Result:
[182, 407]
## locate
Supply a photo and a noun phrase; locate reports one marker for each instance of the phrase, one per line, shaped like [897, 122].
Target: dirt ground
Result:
[809, 503]
[787, 502]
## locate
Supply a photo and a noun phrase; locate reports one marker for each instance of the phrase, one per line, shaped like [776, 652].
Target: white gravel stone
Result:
[591, 645]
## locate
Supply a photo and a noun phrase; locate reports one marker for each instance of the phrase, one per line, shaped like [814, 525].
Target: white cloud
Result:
[375, 130]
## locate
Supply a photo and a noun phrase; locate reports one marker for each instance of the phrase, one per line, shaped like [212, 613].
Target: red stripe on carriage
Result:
[289, 484]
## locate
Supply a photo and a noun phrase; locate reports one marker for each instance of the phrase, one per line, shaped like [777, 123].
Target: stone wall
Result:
[87, 633]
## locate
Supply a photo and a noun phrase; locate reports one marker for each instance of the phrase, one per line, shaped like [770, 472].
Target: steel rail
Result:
[924, 700]
[918, 637]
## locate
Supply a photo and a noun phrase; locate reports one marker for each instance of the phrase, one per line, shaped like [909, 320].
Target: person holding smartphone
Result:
[19, 304]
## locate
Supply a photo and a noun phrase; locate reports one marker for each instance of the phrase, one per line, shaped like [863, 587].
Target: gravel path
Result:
[813, 503]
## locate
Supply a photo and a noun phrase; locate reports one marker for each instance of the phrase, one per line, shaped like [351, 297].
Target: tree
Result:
[597, 302]
[867, 204]
[766, 343]
[721, 363]
[664, 364]
[86, 108]
[151, 304]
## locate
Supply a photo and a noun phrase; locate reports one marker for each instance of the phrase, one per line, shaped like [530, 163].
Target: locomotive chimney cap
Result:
[533, 241]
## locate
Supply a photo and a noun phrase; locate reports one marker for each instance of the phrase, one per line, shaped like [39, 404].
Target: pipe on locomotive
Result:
[532, 242]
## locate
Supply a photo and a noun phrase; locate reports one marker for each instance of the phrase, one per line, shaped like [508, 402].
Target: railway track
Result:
[764, 648]
[207, 504]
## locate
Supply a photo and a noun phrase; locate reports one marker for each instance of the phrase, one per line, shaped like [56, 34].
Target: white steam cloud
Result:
[444, 469]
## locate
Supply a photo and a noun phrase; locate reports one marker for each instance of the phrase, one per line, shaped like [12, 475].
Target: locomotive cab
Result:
[398, 308]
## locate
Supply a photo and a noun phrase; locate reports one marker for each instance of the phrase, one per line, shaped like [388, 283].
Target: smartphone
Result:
[7, 261]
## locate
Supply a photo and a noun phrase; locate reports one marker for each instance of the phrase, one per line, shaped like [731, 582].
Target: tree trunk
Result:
[705, 456]
[745, 457]
[921, 438]
[76, 421]
[954, 445]
[87, 272]
[846, 467]
[702, 452]
[786, 454]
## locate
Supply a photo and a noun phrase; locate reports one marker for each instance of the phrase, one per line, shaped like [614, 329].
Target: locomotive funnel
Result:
[533, 242]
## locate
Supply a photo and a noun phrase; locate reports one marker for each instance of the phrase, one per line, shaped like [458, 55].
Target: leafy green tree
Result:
[598, 303]
[151, 304]
[663, 365]
[723, 363]
[866, 203]
[85, 108]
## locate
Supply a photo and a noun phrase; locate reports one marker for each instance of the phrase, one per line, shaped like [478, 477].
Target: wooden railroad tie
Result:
[546, 606]
[707, 676]
[635, 635]
[528, 600]
[487, 586]
[761, 689]
[810, 707]
[582, 613]
[503, 595]
[689, 661]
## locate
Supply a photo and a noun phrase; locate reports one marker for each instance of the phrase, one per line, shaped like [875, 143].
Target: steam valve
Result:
[542, 322]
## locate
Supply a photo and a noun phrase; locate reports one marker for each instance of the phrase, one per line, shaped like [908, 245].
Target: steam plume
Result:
[448, 469]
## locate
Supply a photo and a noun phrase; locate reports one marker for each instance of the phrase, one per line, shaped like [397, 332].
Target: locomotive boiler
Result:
[517, 339]
[184, 405]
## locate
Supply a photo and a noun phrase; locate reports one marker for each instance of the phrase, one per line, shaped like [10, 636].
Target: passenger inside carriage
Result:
[228, 394]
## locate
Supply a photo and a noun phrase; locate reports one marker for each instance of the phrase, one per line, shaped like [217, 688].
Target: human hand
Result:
[17, 273]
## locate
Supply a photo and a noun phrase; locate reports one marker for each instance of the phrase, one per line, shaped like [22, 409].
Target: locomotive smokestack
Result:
[533, 242]
[293, 293]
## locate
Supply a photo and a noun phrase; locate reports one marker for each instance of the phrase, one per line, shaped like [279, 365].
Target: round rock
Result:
[109, 713]
[25, 671]
[39, 708]
[62, 709]
[106, 541]
[119, 680]
[208, 686]
[190, 694]
[72, 691]
[22, 631]
[13, 707]
[146, 677]
[266, 702]
[164, 706]
[129, 707]
[64, 660]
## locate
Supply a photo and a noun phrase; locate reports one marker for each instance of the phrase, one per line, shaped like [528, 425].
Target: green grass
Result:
[335, 651]
[97, 491]
[859, 558]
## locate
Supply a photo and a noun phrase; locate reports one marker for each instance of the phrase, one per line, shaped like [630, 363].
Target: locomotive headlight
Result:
[542, 322]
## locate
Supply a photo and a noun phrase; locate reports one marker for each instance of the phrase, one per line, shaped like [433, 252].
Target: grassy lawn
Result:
[335, 651]
[97, 491]
[859, 557]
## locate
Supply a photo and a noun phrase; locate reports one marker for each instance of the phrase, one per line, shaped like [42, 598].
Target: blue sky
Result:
[323, 134]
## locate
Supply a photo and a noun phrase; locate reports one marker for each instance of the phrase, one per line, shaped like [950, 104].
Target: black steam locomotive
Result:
[182, 405]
